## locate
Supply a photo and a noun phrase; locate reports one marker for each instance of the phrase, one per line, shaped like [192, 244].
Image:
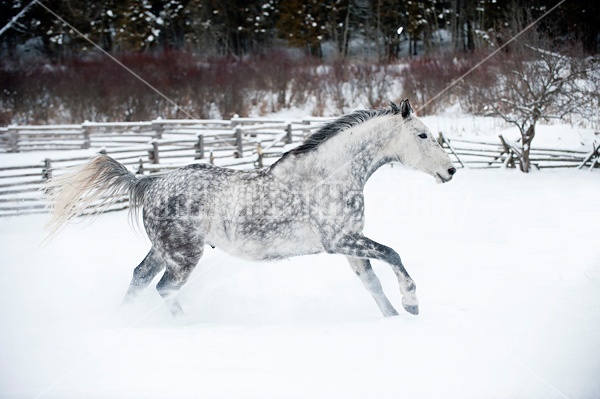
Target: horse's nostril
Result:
[452, 171]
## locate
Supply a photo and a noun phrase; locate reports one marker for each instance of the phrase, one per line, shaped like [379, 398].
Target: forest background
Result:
[217, 58]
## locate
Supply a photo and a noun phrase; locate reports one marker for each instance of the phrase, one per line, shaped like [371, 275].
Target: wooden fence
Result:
[478, 154]
[159, 146]
[145, 147]
[230, 133]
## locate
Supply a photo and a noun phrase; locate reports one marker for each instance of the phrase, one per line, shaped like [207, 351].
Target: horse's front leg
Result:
[358, 246]
[364, 271]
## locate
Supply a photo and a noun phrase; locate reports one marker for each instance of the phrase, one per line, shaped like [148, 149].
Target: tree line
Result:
[367, 28]
[217, 58]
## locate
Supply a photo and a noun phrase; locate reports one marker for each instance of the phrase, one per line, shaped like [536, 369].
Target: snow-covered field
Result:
[508, 273]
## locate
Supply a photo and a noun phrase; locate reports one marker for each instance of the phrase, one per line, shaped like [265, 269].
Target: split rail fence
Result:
[161, 145]
[479, 154]
[144, 147]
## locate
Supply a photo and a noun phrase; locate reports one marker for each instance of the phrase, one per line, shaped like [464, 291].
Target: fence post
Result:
[200, 147]
[449, 146]
[509, 161]
[212, 158]
[87, 142]
[306, 131]
[288, 136]
[153, 153]
[259, 151]
[47, 170]
[140, 170]
[596, 158]
[157, 127]
[238, 143]
[593, 157]
[13, 139]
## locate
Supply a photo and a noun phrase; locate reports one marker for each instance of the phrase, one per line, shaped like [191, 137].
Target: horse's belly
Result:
[269, 246]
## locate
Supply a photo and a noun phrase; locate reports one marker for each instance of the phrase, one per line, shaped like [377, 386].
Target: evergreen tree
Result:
[238, 27]
[302, 24]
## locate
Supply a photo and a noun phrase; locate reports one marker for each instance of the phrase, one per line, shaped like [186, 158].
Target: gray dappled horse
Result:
[310, 201]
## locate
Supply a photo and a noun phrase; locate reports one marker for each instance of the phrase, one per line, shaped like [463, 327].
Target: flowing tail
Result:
[99, 183]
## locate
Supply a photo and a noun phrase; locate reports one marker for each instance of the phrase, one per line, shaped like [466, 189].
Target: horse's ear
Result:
[395, 109]
[406, 109]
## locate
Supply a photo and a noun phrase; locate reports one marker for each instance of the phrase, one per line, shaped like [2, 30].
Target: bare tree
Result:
[533, 84]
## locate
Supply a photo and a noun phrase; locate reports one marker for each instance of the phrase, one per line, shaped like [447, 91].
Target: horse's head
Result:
[417, 147]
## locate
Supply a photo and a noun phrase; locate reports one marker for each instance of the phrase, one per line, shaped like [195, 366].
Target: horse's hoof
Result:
[412, 309]
[390, 313]
[176, 310]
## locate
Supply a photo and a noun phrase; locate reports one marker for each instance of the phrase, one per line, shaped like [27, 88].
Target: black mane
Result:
[339, 125]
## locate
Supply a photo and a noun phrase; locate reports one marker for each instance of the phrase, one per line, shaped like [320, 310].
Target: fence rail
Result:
[145, 147]
[17, 138]
[162, 145]
[477, 154]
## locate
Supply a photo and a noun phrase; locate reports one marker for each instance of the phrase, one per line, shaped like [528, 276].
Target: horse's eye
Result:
[423, 135]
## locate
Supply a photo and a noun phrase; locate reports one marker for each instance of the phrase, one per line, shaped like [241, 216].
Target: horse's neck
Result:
[351, 157]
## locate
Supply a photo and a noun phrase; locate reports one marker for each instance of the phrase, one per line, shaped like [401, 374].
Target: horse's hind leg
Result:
[144, 273]
[179, 266]
[363, 269]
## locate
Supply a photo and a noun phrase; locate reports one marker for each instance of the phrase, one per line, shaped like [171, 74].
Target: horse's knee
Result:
[143, 274]
[166, 288]
[169, 283]
[149, 267]
[176, 275]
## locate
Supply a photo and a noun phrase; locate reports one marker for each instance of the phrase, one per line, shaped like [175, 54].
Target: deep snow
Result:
[508, 273]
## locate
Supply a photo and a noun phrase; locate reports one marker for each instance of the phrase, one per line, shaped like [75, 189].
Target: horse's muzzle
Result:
[441, 179]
